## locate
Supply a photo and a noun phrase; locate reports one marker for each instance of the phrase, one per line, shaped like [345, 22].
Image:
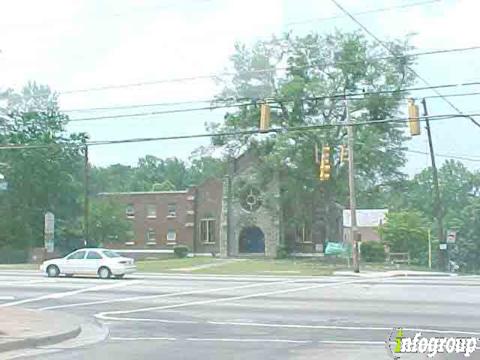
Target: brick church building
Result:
[239, 214]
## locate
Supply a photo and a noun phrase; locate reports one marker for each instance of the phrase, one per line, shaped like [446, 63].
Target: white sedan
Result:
[101, 262]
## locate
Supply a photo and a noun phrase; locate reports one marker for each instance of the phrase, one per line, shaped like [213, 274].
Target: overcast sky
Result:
[72, 45]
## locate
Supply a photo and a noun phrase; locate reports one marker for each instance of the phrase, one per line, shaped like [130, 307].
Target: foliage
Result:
[316, 67]
[181, 251]
[163, 186]
[152, 173]
[282, 252]
[373, 251]
[406, 231]
[467, 249]
[108, 222]
[39, 179]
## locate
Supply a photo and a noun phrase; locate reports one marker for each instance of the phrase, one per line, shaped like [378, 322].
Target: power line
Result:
[372, 11]
[246, 102]
[259, 71]
[452, 105]
[449, 156]
[275, 130]
[206, 101]
[244, 132]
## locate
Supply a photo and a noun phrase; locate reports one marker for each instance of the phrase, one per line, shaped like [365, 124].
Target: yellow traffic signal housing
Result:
[413, 118]
[264, 117]
[343, 154]
[325, 164]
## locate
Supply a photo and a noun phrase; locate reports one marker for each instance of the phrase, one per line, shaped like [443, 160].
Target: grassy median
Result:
[199, 265]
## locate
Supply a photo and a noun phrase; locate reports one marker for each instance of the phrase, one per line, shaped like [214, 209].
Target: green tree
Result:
[43, 178]
[205, 167]
[316, 68]
[163, 186]
[108, 222]
[407, 231]
[466, 251]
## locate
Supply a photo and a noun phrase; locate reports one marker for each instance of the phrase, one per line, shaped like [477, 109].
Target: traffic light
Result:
[343, 154]
[325, 164]
[413, 118]
[264, 117]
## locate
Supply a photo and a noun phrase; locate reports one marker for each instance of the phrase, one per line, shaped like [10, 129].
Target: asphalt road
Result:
[206, 317]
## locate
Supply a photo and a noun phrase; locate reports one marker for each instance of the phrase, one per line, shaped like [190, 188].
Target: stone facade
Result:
[238, 215]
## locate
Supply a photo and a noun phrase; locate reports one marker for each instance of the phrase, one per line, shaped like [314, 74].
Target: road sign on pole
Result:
[49, 232]
[451, 236]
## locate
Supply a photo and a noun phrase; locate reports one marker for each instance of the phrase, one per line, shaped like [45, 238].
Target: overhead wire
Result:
[449, 156]
[243, 132]
[245, 102]
[379, 41]
[260, 71]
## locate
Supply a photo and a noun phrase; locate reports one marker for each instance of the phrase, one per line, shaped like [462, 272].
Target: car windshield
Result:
[110, 254]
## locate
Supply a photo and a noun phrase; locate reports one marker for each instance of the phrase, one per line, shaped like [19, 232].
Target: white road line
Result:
[71, 293]
[260, 340]
[147, 297]
[142, 338]
[107, 315]
[7, 298]
[23, 282]
[351, 342]
[333, 327]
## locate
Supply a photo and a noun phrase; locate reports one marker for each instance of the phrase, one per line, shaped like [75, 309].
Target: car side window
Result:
[94, 255]
[77, 256]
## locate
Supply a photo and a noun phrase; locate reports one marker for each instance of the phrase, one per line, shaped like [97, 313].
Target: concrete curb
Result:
[35, 341]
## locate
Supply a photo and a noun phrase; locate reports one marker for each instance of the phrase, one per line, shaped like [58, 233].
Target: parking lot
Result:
[220, 317]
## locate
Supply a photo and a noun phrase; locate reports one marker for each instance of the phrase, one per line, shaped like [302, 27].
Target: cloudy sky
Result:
[73, 45]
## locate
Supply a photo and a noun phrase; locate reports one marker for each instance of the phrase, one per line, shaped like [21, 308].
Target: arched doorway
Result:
[251, 240]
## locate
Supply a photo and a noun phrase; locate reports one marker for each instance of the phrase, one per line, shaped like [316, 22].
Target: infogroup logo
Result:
[397, 344]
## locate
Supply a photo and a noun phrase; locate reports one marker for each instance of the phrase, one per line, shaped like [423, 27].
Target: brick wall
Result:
[208, 206]
[182, 223]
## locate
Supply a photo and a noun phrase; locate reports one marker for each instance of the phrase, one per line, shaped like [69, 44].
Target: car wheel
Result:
[104, 273]
[53, 271]
[119, 276]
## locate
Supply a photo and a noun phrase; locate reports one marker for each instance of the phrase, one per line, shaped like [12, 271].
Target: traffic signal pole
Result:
[351, 185]
[438, 203]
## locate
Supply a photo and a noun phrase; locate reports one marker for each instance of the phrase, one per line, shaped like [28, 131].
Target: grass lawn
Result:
[172, 263]
[19, 266]
[305, 267]
[238, 266]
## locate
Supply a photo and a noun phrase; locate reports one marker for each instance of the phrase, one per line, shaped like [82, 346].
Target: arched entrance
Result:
[251, 240]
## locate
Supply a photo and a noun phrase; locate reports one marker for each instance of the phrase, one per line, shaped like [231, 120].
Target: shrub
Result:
[282, 252]
[373, 251]
[11, 255]
[180, 251]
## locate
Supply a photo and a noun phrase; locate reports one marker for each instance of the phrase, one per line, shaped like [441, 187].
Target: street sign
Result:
[451, 236]
[443, 246]
[49, 231]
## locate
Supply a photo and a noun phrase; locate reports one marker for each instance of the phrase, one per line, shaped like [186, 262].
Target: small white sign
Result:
[451, 236]
[49, 232]
[443, 246]
[49, 223]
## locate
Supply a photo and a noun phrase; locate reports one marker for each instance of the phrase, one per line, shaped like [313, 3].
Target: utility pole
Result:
[351, 185]
[438, 203]
[86, 204]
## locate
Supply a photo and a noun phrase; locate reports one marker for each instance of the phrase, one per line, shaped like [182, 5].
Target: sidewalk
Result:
[393, 273]
[20, 328]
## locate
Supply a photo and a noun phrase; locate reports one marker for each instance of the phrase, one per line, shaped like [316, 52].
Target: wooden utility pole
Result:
[438, 203]
[86, 205]
[351, 185]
